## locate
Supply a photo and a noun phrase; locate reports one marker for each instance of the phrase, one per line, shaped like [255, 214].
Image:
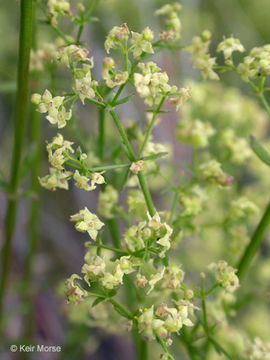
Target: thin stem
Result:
[19, 126]
[219, 347]
[146, 194]
[132, 157]
[101, 133]
[113, 227]
[151, 125]
[123, 135]
[87, 17]
[204, 310]
[254, 243]
[121, 308]
[164, 348]
[109, 248]
[264, 102]
[33, 236]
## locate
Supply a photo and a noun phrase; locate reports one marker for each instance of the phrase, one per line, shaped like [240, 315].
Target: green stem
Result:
[254, 243]
[264, 102]
[151, 125]
[19, 126]
[101, 133]
[109, 248]
[219, 347]
[204, 310]
[35, 138]
[164, 348]
[87, 17]
[123, 135]
[132, 157]
[113, 227]
[146, 194]
[121, 308]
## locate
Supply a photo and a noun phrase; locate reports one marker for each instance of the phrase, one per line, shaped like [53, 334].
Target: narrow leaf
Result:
[260, 151]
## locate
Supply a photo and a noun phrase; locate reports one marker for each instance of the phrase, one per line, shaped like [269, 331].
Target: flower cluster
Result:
[259, 350]
[165, 320]
[173, 23]
[142, 42]
[195, 132]
[201, 58]
[256, 63]
[242, 207]
[58, 151]
[225, 275]
[111, 78]
[152, 85]
[116, 36]
[108, 273]
[58, 7]
[55, 179]
[46, 103]
[211, 171]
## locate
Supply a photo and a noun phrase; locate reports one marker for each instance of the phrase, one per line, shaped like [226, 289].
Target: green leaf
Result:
[155, 156]
[123, 101]
[97, 301]
[260, 151]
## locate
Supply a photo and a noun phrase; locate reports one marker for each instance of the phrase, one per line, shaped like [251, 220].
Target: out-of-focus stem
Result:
[25, 39]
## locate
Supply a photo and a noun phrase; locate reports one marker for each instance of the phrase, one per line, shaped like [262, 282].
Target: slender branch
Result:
[19, 126]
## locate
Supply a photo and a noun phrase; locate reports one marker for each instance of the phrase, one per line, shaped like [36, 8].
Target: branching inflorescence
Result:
[164, 304]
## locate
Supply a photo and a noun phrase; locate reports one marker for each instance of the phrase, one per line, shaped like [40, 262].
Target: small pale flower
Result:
[94, 267]
[58, 7]
[142, 42]
[58, 150]
[181, 96]
[81, 181]
[57, 114]
[74, 293]
[229, 45]
[155, 279]
[112, 78]
[87, 221]
[56, 179]
[84, 84]
[141, 280]
[116, 35]
[137, 166]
